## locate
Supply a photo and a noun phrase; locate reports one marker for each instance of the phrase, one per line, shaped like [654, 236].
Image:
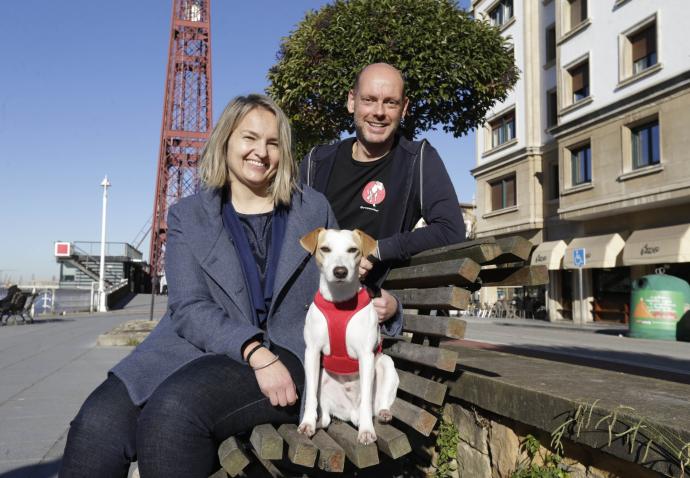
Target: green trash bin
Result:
[657, 302]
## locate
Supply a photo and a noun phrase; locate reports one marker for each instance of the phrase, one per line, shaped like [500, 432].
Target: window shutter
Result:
[510, 191]
[578, 78]
[643, 44]
[576, 12]
[496, 196]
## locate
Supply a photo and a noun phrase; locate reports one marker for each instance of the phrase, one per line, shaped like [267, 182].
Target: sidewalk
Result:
[47, 369]
[604, 345]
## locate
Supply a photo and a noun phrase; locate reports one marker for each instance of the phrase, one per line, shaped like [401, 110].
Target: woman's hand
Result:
[275, 381]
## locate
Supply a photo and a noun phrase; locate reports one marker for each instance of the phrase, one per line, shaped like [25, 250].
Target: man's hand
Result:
[365, 266]
[386, 306]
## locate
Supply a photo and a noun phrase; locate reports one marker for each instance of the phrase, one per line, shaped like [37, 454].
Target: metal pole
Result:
[102, 306]
[582, 294]
[154, 285]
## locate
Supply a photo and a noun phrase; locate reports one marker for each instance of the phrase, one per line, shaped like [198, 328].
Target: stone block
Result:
[472, 463]
[469, 430]
[504, 446]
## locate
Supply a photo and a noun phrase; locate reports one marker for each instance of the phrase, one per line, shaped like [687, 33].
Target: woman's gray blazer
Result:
[208, 302]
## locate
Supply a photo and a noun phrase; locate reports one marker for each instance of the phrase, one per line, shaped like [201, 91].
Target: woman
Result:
[228, 353]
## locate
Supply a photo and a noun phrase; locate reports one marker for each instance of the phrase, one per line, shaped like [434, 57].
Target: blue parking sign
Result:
[579, 257]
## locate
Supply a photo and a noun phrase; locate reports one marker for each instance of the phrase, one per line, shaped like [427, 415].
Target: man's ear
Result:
[351, 101]
[368, 243]
[406, 103]
[310, 240]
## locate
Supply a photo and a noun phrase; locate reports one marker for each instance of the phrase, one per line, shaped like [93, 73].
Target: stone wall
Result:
[490, 447]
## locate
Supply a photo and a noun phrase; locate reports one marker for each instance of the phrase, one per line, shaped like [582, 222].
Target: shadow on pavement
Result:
[41, 470]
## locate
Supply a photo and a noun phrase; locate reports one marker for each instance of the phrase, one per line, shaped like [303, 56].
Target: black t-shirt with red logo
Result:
[357, 191]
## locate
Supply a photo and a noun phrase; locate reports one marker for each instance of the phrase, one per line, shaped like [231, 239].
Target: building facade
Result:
[590, 150]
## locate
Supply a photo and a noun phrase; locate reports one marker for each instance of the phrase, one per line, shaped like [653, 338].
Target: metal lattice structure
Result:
[186, 115]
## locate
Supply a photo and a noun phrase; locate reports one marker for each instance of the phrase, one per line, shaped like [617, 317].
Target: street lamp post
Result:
[102, 306]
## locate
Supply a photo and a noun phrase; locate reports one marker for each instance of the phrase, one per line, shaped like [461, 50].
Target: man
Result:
[382, 183]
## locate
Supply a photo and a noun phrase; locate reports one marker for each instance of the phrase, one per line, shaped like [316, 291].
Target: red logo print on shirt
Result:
[374, 193]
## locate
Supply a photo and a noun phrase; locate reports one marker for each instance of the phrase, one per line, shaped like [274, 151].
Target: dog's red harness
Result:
[338, 315]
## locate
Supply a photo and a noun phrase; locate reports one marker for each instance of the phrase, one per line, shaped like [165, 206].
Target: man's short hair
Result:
[355, 87]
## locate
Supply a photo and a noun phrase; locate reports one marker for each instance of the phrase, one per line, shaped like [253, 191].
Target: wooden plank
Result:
[362, 456]
[414, 416]
[514, 276]
[331, 455]
[454, 272]
[267, 442]
[269, 468]
[232, 458]
[391, 441]
[513, 249]
[480, 251]
[219, 474]
[301, 451]
[440, 298]
[435, 326]
[420, 387]
[435, 357]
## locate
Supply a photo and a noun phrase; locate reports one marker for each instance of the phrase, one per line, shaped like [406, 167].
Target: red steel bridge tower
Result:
[186, 116]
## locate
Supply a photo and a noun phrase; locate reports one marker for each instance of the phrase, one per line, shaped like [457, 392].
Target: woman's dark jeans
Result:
[177, 432]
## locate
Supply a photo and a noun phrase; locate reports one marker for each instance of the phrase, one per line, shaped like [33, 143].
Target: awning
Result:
[549, 254]
[657, 246]
[600, 251]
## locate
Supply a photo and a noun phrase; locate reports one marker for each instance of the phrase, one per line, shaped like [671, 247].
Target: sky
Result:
[81, 97]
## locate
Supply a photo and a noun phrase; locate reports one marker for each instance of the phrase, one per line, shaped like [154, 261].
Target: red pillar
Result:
[186, 115]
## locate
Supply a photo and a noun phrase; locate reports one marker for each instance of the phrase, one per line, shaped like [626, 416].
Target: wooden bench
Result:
[429, 286]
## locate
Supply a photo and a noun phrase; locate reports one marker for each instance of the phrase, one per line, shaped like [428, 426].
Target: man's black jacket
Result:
[418, 183]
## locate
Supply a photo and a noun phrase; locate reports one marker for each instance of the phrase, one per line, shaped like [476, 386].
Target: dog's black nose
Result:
[340, 272]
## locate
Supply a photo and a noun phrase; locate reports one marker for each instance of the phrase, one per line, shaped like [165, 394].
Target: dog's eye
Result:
[325, 249]
[352, 250]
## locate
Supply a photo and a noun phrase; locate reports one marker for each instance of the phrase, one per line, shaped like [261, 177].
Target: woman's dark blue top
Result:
[258, 239]
[257, 228]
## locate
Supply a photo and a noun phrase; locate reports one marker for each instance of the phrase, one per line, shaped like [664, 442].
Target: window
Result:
[577, 12]
[643, 47]
[550, 42]
[503, 12]
[503, 193]
[553, 182]
[551, 108]
[581, 165]
[645, 144]
[502, 129]
[579, 81]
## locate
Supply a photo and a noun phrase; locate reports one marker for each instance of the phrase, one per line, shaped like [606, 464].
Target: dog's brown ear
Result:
[368, 243]
[310, 240]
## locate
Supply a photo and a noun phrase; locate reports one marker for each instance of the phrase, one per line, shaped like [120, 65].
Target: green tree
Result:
[455, 67]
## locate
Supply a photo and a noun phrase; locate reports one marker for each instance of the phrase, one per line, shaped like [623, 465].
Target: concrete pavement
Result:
[596, 344]
[47, 369]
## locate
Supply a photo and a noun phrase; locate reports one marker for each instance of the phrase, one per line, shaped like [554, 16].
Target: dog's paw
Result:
[306, 428]
[385, 416]
[325, 420]
[366, 437]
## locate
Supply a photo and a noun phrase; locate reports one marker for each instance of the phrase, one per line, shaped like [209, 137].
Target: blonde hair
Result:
[213, 168]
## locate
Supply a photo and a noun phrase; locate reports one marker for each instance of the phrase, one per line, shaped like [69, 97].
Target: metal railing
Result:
[93, 249]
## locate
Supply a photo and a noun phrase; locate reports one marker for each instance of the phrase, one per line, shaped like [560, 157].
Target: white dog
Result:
[356, 378]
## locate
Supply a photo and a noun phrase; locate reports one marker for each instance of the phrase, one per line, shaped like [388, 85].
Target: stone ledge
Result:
[129, 333]
[545, 394]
